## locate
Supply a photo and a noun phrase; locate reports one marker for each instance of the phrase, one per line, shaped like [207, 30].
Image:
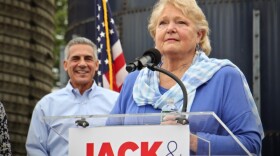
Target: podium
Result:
[137, 134]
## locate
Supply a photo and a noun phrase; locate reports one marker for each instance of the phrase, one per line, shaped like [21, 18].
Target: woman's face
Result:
[176, 35]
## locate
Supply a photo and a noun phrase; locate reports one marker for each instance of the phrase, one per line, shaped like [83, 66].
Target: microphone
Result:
[150, 56]
[182, 118]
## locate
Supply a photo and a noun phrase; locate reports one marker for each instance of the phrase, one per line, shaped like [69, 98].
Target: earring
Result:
[197, 47]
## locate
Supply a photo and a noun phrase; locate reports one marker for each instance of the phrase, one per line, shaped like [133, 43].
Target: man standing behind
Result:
[81, 96]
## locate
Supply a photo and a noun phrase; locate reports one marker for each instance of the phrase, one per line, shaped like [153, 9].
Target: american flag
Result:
[111, 73]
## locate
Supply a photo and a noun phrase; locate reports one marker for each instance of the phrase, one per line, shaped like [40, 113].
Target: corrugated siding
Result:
[81, 19]
[270, 62]
[26, 60]
[231, 32]
[133, 33]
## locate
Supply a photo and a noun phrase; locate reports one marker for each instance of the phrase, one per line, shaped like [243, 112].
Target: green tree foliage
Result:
[60, 28]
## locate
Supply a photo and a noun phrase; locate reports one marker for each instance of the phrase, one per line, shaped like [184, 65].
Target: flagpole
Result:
[108, 47]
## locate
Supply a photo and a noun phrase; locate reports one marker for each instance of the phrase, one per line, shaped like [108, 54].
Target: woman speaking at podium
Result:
[181, 34]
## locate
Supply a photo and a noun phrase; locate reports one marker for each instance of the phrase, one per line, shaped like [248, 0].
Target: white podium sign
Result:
[130, 140]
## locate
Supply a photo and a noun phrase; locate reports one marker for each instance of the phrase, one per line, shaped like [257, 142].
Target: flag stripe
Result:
[117, 49]
[117, 67]
[121, 76]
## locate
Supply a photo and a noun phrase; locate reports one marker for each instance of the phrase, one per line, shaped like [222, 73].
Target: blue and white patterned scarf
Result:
[146, 87]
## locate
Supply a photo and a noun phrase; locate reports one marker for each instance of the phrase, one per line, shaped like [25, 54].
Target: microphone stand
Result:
[182, 119]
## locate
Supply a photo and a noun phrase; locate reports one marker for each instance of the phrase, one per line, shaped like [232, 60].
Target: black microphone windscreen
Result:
[155, 54]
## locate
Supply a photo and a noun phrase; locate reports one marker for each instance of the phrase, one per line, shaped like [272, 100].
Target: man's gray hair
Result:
[79, 40]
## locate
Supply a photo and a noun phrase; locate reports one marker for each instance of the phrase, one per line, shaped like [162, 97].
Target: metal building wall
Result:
[81, 19]
[232, 37]
[26, 58]
[270, 73]
[231, 31]
[270, 23]
[133, 20]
